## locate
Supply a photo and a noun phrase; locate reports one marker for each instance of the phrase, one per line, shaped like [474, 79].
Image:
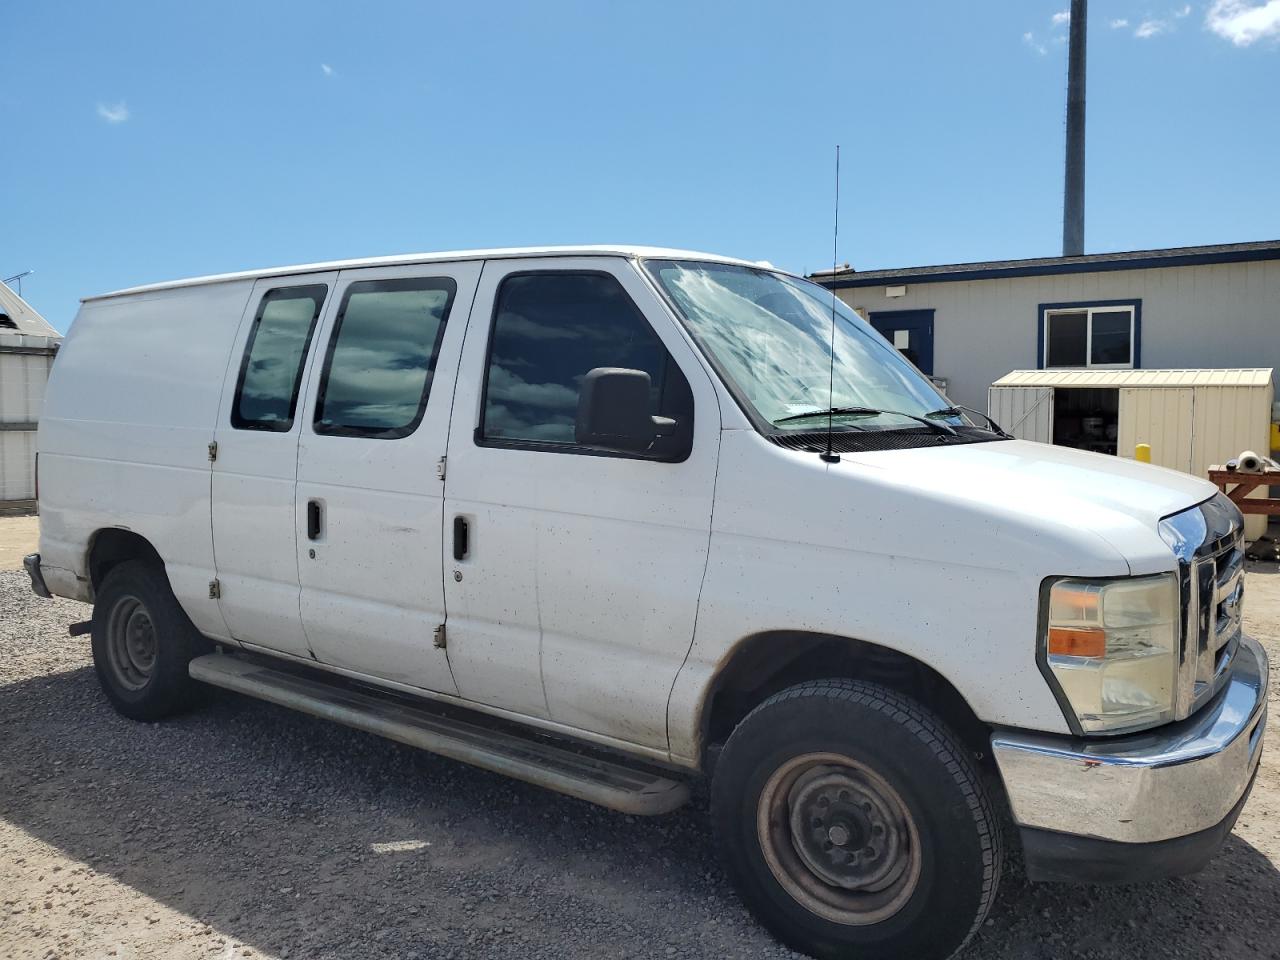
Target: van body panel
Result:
[579, 596]
[938, 553]
[252, 496]
[373, 468]
[124, 436]
[373, 581]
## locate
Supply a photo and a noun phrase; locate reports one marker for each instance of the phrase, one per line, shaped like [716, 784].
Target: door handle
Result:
[461, 538]
[313, 519]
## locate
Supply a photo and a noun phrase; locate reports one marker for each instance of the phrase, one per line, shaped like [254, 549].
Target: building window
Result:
[1090, 334]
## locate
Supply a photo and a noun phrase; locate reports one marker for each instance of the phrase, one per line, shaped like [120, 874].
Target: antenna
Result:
[18, 277]
[830, 456]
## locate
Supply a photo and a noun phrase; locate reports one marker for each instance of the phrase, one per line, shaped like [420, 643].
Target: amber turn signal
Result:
[1075, 642]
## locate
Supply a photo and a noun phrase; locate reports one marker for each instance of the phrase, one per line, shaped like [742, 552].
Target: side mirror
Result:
[613, 412]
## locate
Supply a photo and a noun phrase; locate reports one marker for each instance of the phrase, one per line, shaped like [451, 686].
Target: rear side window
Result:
[549, 331]
[382, 357]
[271, 372]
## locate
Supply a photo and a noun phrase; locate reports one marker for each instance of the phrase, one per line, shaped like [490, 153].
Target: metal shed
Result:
[1192, 419]
[27, 347]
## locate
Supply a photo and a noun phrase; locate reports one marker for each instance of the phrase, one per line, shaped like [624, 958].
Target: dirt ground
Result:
[18, 537]
[245, 830]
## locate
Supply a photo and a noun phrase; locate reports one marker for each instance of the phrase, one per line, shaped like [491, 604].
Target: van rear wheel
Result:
[142, 643]
[853, 824]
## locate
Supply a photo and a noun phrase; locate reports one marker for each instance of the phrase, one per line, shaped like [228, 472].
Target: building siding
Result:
[23, 377]
[1217, 315]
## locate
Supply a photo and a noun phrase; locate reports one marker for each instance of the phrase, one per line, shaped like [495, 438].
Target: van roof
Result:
[500, 253]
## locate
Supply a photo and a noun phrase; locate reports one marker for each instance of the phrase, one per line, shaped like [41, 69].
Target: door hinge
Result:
[215, 589]
[213, 451]
[440, 465]
[437, 637]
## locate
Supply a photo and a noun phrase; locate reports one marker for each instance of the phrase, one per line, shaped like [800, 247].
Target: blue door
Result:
[911, 331]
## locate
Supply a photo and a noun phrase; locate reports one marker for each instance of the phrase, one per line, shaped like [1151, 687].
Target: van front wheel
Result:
[853, 824]
[142, 643]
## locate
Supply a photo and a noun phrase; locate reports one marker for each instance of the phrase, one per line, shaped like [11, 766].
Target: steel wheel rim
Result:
[131, 643]
[839, 839]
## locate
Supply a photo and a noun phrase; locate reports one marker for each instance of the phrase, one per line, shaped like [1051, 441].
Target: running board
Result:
[628, 789]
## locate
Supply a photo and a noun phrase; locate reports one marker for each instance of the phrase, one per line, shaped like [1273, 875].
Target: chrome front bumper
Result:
[1181, 779]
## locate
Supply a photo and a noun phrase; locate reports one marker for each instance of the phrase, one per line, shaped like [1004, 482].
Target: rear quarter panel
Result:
[123, 441]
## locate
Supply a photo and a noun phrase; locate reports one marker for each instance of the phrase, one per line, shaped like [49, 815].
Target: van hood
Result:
[1120, 500]
[1058, 480]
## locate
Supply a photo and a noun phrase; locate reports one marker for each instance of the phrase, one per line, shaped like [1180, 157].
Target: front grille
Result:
[1213, 584]
[1220, 576]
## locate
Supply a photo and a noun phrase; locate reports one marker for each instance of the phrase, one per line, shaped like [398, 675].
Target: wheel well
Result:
[768, 662]
[112, 547]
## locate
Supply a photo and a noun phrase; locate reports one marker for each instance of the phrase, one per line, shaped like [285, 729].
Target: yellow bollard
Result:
[1142, 453]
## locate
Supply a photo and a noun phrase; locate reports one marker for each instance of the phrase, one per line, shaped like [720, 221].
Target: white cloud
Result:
[1030, 40]
[326, 70]
[114, 112]
[1184, 12]
[1062, 18]
[1119, 24]
[1244, 23]
[1151, 28]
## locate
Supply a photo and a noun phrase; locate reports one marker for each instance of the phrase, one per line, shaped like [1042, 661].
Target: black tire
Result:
[144, 679]
[917, 855]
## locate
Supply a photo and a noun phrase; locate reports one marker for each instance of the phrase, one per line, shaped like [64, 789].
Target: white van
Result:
[609, 520]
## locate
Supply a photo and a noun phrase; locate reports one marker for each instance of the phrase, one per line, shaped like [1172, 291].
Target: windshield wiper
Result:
[957, 409]
[933, 425]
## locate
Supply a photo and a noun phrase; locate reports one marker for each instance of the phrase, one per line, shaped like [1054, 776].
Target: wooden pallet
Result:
[1242, 484]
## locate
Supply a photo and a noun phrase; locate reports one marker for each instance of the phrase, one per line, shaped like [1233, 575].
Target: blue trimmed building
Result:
[971, 323]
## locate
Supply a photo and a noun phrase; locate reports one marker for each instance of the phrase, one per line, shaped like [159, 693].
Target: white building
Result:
[972, 323]
[27, 347]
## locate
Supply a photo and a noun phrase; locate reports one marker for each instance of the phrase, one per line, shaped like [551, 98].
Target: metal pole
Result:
[1073, 194]
[18, 277]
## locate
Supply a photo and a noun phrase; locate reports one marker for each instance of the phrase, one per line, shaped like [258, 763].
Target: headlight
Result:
[1112, 647]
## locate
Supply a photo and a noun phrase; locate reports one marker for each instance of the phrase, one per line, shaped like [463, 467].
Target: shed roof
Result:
[1046, 266]
[1215, 377]
[25, 320]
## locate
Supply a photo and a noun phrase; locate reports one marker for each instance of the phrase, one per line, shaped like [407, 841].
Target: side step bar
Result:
[610, 784]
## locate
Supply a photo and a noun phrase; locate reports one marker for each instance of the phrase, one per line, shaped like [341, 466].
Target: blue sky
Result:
[147, 141]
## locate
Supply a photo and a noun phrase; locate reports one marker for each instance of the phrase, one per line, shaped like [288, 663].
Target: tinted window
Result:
[1067, 339]
[1111, 337]
[267, 392]
[549, 331]
[382, 355]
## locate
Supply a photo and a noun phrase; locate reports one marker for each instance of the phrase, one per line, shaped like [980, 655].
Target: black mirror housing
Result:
[613, 411]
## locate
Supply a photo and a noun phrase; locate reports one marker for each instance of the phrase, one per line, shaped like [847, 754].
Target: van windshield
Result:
[770, 337]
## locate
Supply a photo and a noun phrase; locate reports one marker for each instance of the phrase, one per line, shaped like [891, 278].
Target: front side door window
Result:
[548, 331]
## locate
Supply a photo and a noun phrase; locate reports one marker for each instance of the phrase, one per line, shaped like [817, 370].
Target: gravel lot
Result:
[245, 830]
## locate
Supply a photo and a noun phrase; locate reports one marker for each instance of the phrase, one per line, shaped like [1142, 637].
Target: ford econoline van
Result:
[614, 519]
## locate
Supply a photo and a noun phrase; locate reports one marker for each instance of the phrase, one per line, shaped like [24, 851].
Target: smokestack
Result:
[1073, 194]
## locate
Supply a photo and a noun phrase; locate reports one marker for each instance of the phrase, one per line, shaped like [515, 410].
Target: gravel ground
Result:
[245, 830]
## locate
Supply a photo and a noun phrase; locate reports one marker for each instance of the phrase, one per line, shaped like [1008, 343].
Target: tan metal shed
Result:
[1191, 418]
